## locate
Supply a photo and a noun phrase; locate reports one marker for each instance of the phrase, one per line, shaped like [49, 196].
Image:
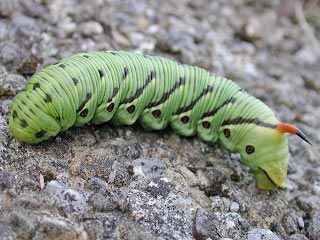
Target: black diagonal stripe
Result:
[241, 120]
[187, 108]
[167, 94]
[87, 98]
[140, 90]
[215, 110]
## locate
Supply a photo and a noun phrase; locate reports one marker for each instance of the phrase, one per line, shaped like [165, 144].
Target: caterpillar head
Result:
[264, 148]
[28, 121]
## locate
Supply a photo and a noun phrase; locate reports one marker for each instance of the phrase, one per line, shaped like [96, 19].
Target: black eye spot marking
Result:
[110, 107]
[40, 134]
[156, 113]
[86, 56]
[249, 149]
[227, 132]
[23, 123]
[185, 119]
[84, 112]
[36, 85]
[48, 98]
[75, 81]
[125, 73]
[206, 124]
[131, 109]
[14, 114]
[62, 66]
[101, 73]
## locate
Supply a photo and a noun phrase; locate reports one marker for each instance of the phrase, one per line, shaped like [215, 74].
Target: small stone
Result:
[313, 229]
[234, 207]
[316, 190]
[297, 236]
[148, 166]
[90, 28]
[10, 53]
[6, 232]
[260, 233]
[160, 187]
[7, 180]
[50, 228]
[300, 223]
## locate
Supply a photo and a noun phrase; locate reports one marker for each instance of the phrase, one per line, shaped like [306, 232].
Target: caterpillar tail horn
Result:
[289, 128]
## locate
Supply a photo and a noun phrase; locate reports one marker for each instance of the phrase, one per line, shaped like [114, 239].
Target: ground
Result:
[102, 182]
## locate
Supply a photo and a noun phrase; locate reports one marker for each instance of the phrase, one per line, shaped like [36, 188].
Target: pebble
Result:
[90, 28]
[234, 207]
[260, 233]
[6, 232]
[313, 229]
[300, 223]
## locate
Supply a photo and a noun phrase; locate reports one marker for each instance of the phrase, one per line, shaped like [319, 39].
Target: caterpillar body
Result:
[123, 87]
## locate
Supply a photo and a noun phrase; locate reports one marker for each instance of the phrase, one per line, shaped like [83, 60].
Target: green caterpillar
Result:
[124, 87]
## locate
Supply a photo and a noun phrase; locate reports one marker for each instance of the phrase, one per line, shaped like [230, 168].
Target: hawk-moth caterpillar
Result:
[124, 87]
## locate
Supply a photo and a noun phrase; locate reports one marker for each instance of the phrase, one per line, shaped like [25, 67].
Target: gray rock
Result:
[216, 225]
[260, 233]
[234, 207]
[28, 27]
[7, 180]
[313, 229]
[90, 28]
[289, 222]
[297, 236]
[8, 7]
[102, 228]
[51, 228]
[148, 166]
[300, 223]
[69, 200]
[6, 233]
[10, 53]
[160, 187]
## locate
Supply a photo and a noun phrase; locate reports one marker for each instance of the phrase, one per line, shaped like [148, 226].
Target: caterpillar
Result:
[125, 87]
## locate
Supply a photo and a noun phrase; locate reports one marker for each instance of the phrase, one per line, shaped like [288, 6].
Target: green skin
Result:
[124, 87]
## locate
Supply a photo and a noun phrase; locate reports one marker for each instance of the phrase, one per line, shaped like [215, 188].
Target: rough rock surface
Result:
[101, 182]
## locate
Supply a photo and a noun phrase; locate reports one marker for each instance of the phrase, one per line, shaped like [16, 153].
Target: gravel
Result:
[104, 182]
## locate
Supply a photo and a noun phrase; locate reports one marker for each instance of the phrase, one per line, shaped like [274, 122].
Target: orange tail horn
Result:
[289, 128]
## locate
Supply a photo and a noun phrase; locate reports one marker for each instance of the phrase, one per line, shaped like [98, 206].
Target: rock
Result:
[8, 7]
[313, 229]
[290, 223]
[297, 236]
[216, 226]
[260, 233]
[149, 166]
[10, 53]
[160, 187]
[234, 207]
[54, 228]
[69, 200]
[300, 223]
[6, 233]
[13, 83]
[28, 27]
[102, 228]
[100, 202]
[7, 180]
[90, 28]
